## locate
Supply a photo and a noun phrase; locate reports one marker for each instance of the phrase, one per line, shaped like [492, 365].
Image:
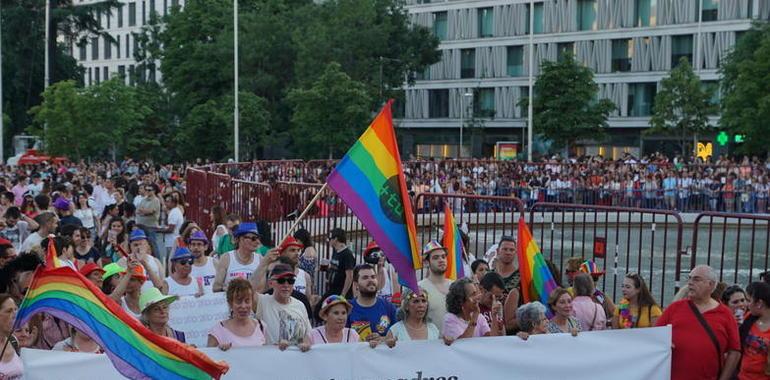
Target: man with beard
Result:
[371, 316]
[436, 285]
[286, 320]
[203, 269]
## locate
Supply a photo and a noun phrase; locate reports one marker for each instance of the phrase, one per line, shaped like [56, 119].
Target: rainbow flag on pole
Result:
[453, 243]
[370, 180]
[135, 351]
[537, 282]
[51, 256]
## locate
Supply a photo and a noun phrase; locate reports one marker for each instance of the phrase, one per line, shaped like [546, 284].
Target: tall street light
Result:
[530, 112]
[235, 81]
[468, 95]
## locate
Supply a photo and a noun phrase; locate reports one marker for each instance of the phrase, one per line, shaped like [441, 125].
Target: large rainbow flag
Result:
[370, 180]
[135, 351]
[537, 282]
[453, 243]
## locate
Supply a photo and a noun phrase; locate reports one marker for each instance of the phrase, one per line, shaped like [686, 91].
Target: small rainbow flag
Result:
[537, 281]
[51, 256]
[453, 243]
[370, 180]
[135, 351]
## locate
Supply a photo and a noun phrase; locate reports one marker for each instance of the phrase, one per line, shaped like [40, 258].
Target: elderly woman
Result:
[334, 312]
[560, 303]
[637, 308]
[10, 363]
[413, 318]
[463, 318]
[155, 315]
[532, 320]
[241, 329]
[589, 313]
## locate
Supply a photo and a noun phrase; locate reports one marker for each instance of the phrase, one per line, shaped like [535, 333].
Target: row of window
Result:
[107, 45]
[127, 15]
[641, 98]
[644, 16]
[95, 75]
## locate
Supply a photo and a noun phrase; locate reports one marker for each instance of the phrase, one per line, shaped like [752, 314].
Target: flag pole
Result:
[303, 214]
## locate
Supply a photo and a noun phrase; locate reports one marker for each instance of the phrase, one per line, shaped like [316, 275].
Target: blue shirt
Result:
[669, 184]
[373, 319]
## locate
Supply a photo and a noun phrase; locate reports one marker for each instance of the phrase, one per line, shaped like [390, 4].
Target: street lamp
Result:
[236, 111]
[468, 95]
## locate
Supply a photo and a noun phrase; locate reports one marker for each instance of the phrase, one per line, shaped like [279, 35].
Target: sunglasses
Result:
[252, 238]
[184, 261]
[286, 280]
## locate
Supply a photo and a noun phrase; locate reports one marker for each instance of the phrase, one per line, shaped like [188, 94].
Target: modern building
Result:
[102, 58]
[484, 70]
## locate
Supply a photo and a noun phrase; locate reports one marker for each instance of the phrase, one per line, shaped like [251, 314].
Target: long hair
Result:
[758, 291]
[644, 299]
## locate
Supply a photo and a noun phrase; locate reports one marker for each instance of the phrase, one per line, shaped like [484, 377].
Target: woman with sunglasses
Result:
[180, 282]
[637, 308]
[334, 312]
[155, 313]
[413, 318]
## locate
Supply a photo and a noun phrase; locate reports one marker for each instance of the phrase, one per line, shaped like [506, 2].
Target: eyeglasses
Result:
[184, 261]
[251, 237]
[286, 280]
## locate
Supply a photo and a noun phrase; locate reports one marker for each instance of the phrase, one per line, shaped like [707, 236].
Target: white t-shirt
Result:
[86, 216]
[17, 234]
[436, 302]
[176, 218]
[33, 240]
[206, 275]
[283, 322]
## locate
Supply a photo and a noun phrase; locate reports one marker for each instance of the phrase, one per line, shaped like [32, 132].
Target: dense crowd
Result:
[123, 226]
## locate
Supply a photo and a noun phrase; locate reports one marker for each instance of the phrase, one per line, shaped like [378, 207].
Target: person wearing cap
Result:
[334, 312]
[64, 209]
[371, 315]
[7, 252]
[241, 329]
[289, 249]
[589, 267]
[436, 285]
[141, 252]
[155, 313]
[129, 288]
[241, 262]
[286, 319]
[413, 321]
[111, 277]
[180, 282]
[204, 268]
[93, 273]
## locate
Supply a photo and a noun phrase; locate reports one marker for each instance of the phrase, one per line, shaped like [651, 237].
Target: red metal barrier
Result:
[645, 241]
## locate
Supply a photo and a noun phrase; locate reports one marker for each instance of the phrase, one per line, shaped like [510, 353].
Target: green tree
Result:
[565, 106]
[65, 112]
[745, 84]
[330, 115]
[682, 106]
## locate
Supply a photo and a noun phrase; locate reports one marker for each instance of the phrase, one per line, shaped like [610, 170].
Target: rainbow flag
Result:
[537, 282]
[135, 351]
[369, 179]
[454, 246]
[51, 256]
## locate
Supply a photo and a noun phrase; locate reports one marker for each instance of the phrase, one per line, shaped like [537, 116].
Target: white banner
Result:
[196, 316]
[621, 354]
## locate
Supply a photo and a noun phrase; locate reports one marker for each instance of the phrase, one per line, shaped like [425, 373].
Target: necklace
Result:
[421, 327]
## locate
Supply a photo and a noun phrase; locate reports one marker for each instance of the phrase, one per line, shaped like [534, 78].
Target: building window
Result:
[82, 47]
[587, 15]
[117, 46]
[165, 7]
[109, 20]
[128, 46]
[105, 73]
[152, 8]
[174, 3]
[151, 74]
[622, 51]
[122, 72]
[438, 106]
[96, 75]
[131, 14]
[136, 43]
[120, 16]
[713, 86]
[484, 104]
[641, 97]
[131, 74]
[90, 77]
[515, 61]
[524, 106]
[710, 11]
[144, 12]
[486, 22]
[564, 48]
[94, 48]
[467, 63]
[681, 46]
[538, 18]
[107, 48]
[439, 25]
[645, 12]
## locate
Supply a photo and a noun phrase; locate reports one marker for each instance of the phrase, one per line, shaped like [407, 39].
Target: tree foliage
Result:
[565, 105]
[330, 115]
[682, 106]
[745, 100]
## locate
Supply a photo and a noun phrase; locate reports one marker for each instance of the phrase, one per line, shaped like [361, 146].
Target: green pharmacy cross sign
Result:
[722, 138]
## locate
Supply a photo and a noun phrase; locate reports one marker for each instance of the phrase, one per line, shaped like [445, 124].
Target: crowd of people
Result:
[123, 227]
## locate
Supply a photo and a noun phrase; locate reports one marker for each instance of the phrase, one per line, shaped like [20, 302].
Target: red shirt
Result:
[754, 355]
[694, 355]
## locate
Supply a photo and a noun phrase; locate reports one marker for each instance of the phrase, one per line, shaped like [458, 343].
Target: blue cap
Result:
[246, 228]
[137, 234]
[181, 253]
[198, 236]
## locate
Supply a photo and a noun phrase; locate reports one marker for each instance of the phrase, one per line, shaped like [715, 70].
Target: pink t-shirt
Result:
[223, 335]
[319, 336]
[589, 313]
[455, 326]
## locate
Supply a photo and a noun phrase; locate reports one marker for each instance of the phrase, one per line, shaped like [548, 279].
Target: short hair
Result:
[13, 212]
[476, 263]
[711, 274]
[506, 238]
[584, 285]
[171, 197]
[42, 201]
[237, 288]
[303, 236]
[339, 234]
[358, 270]
[457, 295]
[9, 195]
[555, 295]
[492, 279]
[529, 315]
[45, 217]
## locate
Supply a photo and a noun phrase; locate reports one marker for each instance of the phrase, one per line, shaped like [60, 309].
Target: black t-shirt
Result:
[69, 219]
[340, 262]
